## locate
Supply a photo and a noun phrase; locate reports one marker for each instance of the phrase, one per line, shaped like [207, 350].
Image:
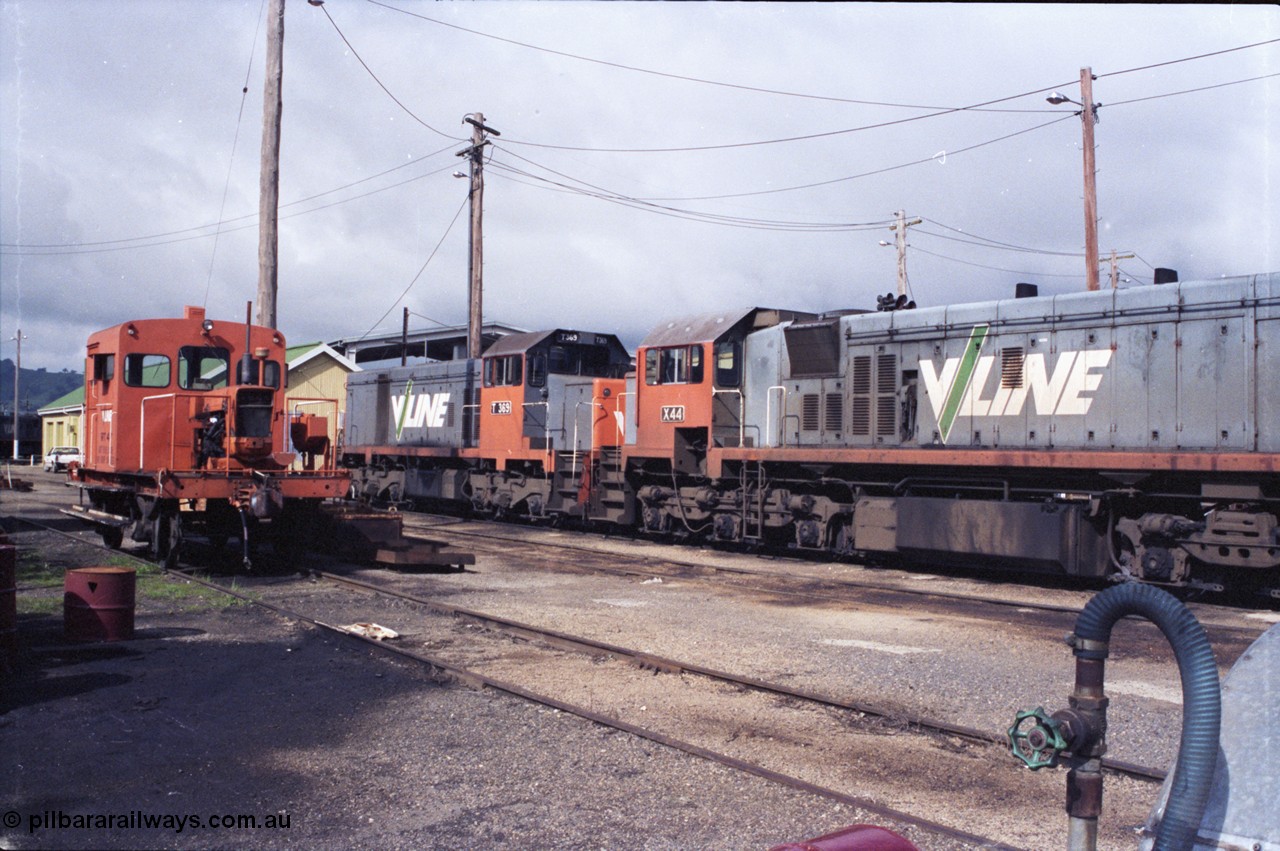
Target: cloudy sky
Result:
[656, 159]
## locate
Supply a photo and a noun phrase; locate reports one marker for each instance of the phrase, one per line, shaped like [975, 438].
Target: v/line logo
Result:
[426, 410]
[957, 391]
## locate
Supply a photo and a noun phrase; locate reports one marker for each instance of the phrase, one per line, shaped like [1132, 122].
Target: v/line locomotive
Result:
[1132, 433]
[187, 429]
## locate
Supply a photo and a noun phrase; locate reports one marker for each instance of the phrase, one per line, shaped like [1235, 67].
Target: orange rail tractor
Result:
[187, 431]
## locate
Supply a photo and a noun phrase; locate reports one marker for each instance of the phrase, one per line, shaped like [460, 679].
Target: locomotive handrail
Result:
[330, 456]
[782, 406]
[618, 429]
[742, 412]
[624, 394]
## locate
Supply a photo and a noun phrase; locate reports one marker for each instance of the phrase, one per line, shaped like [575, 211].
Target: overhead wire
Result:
[235, 141]
[992, 268]
[589, 190]
[381, 85]
[1189, 58]
[635, 201]
[987, 242]
[422, 269]
[1193, 91]
[804, 137]
[835, 180]
[43, 249]
[672, 76]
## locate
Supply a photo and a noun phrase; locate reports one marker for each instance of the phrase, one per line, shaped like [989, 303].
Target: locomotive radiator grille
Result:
[809, 412]
[834, 413]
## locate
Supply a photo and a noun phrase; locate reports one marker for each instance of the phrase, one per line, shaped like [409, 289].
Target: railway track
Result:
[668, 665]
[475, 678]
[803, 586]
[528, 634]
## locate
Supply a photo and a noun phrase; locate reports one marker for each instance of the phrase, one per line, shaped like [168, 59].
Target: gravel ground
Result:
[237, 712]
[229, 710]
[232, 711]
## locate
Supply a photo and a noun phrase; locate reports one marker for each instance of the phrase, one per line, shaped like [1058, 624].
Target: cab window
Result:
[203, 367]
[146, 370]
[673, 365]
[728, 363]
[271, 374]
[502, 371]
[537, 370]
[270, 371]
[104, 367]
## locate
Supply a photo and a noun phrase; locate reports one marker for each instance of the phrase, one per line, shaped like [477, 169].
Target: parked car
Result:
[60, 456]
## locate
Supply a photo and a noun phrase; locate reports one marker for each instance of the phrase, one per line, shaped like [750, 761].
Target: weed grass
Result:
[41, 582]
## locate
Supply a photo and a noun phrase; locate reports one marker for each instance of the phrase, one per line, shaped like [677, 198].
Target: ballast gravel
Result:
[240, 713]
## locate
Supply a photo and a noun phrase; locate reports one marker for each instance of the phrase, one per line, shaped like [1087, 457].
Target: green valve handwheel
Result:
[1036, 738]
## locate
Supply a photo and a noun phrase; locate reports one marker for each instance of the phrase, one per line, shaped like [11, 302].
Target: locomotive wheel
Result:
[112, 536]
[166, 540]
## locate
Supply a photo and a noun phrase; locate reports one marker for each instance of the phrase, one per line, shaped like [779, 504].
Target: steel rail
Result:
[720, 568]
[666, 664]
[1071, 611]
[478, 680]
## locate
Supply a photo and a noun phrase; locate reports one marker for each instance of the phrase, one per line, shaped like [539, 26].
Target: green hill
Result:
[37, 387]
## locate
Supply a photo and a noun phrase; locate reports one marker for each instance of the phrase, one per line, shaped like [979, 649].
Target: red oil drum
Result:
[98, 603]
[8, 608]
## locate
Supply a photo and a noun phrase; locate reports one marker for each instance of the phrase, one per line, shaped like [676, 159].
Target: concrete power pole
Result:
[1088, 118]
[901, 228]
[269, 179]
[475, 264]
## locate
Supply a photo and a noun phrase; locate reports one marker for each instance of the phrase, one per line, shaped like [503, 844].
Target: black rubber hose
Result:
[1201, 697]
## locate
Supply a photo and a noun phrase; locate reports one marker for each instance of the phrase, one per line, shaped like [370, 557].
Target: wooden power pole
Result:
[1088, 118]
[1115, 266]
[475, 263]
[269, 178]
[901, 228]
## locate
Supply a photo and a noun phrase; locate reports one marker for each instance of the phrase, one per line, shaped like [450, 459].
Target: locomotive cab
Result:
[549, 404]
[185, 424]
[690, 387]
[536, 386]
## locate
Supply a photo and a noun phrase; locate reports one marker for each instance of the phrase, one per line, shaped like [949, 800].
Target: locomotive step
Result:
[93, 515]
[416, 552]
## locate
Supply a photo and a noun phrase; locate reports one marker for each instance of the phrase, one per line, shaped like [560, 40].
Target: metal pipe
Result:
[1201, 696]
[1079, 732]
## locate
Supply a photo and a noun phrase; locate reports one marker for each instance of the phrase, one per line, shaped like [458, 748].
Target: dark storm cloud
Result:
[120, 120]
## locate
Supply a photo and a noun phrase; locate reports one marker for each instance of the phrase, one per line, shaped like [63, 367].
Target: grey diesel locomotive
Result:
[1131, 432]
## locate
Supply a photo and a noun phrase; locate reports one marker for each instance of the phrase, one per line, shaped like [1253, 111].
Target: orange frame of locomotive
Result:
[186, 418]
